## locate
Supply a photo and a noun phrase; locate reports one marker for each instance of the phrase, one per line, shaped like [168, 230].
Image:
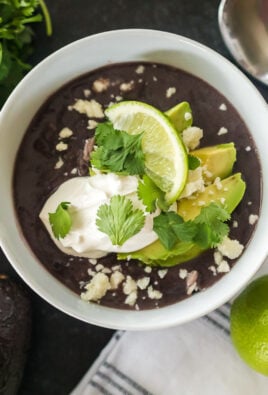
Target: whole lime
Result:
[249, 324]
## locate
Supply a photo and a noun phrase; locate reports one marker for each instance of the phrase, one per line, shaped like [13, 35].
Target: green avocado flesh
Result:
[180, 116]
[227, 194]
[218, 160]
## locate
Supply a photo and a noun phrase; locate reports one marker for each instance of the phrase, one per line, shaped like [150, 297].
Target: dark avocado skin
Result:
[15, 329]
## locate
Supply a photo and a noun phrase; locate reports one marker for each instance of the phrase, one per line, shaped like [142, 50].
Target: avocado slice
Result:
[218, 160]
[180, 116]
[227, 193]
[156, 254]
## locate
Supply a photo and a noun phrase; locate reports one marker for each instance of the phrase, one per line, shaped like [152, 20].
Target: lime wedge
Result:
[165, 155]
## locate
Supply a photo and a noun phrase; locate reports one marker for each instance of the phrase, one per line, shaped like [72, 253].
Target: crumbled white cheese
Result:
[235, 224]
[248, 148]
[147, 269]
[183, 273]
[191, 137]
[116, 267]
[74, 171]
[91, 272]
[207, 173]
[187, 116]
[217, 257]
[143, 283]
[213, 270]
[195, 183]
[230, 248]
[222, 131]
[252, 219]
[101, 85]
[223, 107]
[96, 288]
[170, 91]
[99, 267]
[162, 273]
[59, 164]
[116, 279]
[140, 69]
[65, 133]
[118, 98]
[87, 92]
[217, 183]
[91, 124]
[153, 293]
[93, 261]
[127, 86]
[131, 298]
[223, 267]
[155, 78]
[91, 108]
[61, 146]
[129, 285]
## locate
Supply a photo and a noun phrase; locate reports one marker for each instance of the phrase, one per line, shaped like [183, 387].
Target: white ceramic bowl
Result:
[78, 58]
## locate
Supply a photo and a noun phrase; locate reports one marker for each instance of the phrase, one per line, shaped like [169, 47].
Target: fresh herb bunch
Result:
[16, 39]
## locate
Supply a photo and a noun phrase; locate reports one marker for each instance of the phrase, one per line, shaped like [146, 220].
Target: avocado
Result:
[227, 192]
[218, 160]
[180, 116]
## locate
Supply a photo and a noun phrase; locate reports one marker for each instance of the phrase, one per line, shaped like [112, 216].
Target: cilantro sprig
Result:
[119, 220]
[117, 151]
[16, 17]
[60, 220]
[206, 230]
[150, 195]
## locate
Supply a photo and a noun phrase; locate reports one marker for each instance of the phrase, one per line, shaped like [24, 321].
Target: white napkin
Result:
[196, 358]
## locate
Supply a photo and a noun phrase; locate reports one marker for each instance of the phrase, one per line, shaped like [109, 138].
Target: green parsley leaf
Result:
[193, 162]
[117, 151]
[60, 220]
[151, 196]
[207, 230]
[119, 220]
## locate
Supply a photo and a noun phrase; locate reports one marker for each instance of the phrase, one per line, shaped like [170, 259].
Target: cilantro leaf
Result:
[16, 36]
[214, 216]
[206, 230]
[117, 151]
[60, 220]
[151, 196]
[193, 162]
[119, 220]
[164, 228]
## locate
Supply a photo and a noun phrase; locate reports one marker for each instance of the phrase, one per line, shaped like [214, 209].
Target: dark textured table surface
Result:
[63, 348]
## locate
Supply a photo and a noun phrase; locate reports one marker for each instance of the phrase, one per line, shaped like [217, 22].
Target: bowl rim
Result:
[146, 319]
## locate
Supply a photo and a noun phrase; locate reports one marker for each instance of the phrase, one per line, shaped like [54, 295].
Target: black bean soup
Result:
[42, 165]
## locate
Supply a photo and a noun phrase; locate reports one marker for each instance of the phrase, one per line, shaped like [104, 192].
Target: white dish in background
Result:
[80, 57]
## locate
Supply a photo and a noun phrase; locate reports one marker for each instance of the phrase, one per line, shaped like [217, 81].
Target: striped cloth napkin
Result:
[196, 358]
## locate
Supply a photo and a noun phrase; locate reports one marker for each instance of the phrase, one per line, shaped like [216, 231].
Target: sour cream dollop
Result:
[86, 195]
